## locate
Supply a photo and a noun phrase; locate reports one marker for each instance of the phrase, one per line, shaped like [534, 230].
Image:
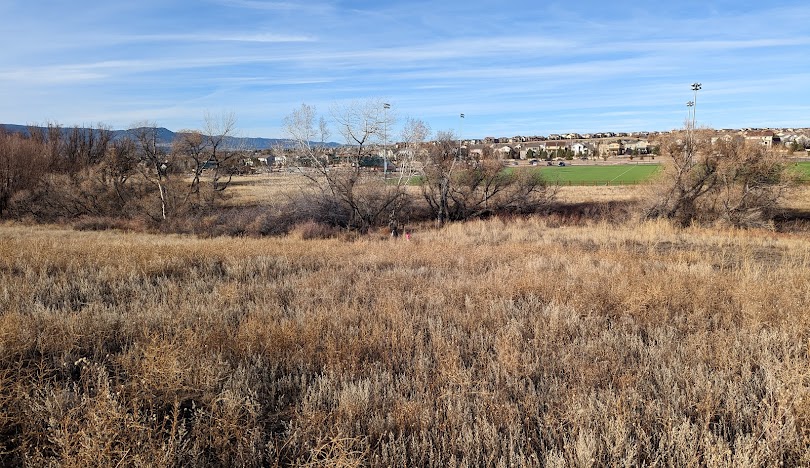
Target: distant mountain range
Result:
[166, 137]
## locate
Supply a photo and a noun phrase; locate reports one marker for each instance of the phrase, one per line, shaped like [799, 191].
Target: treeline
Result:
[52, 174]
[26, 159]
[91, 178]
[706, 180]
[137, 181]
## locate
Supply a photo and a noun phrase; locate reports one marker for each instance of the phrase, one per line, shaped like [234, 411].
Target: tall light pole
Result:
[695, 87]
[386, 106]
[460, 132]
[689, 106]
[690, 131]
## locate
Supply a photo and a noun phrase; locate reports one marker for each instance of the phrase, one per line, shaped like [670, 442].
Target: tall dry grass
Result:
[481, 344]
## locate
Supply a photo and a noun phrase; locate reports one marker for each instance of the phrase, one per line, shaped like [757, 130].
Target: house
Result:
[637, 147]
[273, 160]
[801, 140]
[763, 137]
[505, 151]
[530, 151]
[580, 148]
[725, 137]
[552, 146]
[614, 148]
[476, 153]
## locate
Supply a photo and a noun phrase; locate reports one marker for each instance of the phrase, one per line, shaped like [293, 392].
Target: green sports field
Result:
[620, 174]
[625, 174]
[803, 170]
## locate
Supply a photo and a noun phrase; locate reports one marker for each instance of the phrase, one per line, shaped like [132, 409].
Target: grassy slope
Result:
[480, 343]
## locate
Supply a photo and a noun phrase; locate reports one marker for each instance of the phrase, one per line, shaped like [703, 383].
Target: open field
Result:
[579, 183]
[802, 170]
[484, 343]
[265, 188]
[624, 174]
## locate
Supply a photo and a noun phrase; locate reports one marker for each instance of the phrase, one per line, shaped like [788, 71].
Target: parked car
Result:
[562, 163]
[533, 162]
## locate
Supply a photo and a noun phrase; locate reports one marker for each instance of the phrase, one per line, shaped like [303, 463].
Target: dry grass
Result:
[599, 194]
[262, 189]
[798, 198]
[265, 188]
[479, 344]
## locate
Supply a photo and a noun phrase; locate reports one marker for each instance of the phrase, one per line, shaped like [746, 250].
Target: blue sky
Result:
[512, 67]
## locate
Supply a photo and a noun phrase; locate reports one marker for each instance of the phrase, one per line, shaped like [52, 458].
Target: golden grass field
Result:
[487, 343]
[261, 189]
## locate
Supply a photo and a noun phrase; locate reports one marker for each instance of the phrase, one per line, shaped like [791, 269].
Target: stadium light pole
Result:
[460, 132]
[695, 87]
[689, 106]
[690, 131]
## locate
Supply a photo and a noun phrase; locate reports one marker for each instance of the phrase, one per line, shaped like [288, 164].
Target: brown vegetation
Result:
[730, 181]
[54, 174]
[457, 187]
[479, 344]
[576, 339]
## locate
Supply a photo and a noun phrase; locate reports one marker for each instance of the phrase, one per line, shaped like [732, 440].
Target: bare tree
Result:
[190, 145]
[154, 162]
[414, 134]
[212, 157]
[81, 172]
[223, 160]
[118, 168]
[308, 139]
[362, 194]
[752, 180]
[85, 147]
[439, 165]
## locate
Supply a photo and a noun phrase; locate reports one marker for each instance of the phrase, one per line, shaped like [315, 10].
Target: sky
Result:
[511, 67]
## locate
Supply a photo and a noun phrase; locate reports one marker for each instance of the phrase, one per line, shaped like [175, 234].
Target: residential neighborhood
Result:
[604, 145]
[600, 146]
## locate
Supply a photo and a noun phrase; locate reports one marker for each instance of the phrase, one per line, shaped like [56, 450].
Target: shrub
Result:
[727, 181]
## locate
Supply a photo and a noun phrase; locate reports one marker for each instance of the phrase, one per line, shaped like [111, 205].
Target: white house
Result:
[580, 148]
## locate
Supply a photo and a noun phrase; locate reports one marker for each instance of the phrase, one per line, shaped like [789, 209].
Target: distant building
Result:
[765, 138]
[580, 148]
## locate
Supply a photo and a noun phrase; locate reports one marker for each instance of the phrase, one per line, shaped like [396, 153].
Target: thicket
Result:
[719, 180]
[52, 174]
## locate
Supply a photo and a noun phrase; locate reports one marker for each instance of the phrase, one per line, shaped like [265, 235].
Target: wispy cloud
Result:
[216, 37]
[516, 65]
[311, 7]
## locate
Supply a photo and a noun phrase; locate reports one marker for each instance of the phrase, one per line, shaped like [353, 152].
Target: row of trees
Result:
[453, 184]
[705, 180]
[53, 172]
